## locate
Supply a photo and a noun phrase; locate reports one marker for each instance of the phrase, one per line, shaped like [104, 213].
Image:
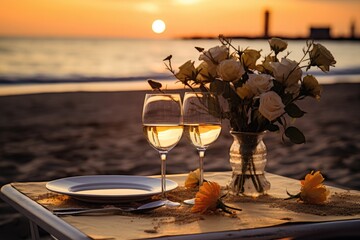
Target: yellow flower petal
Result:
[192, 180]
[316, 196]
[312, 190]
[312, 180]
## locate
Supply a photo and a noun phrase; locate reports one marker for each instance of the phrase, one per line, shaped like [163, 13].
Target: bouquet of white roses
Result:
[261, 94]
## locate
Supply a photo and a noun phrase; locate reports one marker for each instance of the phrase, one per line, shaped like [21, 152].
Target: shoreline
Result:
[134, 85]
[140, 85]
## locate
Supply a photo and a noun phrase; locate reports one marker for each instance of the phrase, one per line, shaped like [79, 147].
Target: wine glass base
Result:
[190, 201]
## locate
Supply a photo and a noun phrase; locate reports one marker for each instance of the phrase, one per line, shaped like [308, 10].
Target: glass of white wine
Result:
[202, 122]
[162, 120]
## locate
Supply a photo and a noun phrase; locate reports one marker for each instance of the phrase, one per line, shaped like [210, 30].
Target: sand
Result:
[48, 136]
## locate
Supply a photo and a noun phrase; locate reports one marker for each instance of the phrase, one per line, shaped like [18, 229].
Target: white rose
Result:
[206, 71]
[203, 72]
[230, 70]
[212, 69]
[311, 86]
[293, 89]
[259, 83]
[271, 106]
[186, 71]
[265, 67]
[288, 73]
[320, 56]
[215, 55]
[277, 45]
[244, 92]
[249, 58]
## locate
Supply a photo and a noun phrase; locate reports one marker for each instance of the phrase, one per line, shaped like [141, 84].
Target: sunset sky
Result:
[133, 18]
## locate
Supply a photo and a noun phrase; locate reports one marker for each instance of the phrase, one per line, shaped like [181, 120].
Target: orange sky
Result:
[133, 18]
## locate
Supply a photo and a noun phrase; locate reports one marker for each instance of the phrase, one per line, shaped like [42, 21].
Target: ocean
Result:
[67, 64]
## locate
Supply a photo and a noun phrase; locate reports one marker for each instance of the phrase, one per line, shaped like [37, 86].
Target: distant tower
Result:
[352, 29]
[266, 24]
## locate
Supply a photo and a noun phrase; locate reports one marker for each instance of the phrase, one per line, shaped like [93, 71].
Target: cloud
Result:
[147, 7]
[186, 2]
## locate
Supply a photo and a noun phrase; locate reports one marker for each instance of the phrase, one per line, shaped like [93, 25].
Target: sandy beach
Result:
[49, 136]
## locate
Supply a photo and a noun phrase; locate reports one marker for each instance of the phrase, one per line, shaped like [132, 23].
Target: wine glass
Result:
[202, 122]
[163, 128]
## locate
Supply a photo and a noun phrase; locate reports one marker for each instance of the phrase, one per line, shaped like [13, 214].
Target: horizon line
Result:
[193, 37]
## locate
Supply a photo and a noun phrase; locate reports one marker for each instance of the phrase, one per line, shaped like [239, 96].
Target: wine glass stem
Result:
[201, 165]
[163, 174]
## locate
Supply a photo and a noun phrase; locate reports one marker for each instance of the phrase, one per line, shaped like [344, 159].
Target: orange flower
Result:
[207, 198]
[192, 180]
[312, 189]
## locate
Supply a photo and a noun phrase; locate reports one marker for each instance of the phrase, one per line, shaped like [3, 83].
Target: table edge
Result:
[308, 230]
[40, 215]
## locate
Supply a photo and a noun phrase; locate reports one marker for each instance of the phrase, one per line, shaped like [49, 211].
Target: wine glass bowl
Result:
[162, 120]
[163, 138]
[202, 121]
[203, 135]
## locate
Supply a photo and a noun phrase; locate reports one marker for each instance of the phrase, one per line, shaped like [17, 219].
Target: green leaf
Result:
[217, 87]
[168, 58]
[295, 135]
[154, 85]
[294, 111]
[278, 87]
[273, 128]
[291, 196]
[200, 49]
[286, 98]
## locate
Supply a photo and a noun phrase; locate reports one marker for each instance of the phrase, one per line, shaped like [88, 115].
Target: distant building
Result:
[320, 33]
[352, 29]
[266, 24]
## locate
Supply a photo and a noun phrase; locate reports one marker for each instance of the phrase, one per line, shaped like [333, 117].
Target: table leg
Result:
[34, 229]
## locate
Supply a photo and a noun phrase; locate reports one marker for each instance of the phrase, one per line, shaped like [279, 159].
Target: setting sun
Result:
[158, 26]
[187, 18]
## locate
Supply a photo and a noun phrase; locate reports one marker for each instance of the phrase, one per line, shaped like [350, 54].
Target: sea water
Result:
[36, 64]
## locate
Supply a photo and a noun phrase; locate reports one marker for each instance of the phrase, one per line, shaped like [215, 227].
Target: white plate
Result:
[109, 188]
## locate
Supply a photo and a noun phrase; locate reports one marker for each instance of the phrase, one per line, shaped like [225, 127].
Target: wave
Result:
[44, 79]
[337, 72]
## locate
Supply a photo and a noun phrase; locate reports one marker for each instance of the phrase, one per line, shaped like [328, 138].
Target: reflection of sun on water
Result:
[158, 26]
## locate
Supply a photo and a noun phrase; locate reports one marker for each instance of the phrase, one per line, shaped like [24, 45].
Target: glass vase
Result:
[248, 161]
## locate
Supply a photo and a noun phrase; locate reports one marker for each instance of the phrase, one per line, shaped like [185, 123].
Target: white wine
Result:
[162, 119]
[163, 137]
[203, 135]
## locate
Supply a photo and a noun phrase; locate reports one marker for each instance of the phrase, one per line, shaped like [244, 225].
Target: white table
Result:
[60, 229]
